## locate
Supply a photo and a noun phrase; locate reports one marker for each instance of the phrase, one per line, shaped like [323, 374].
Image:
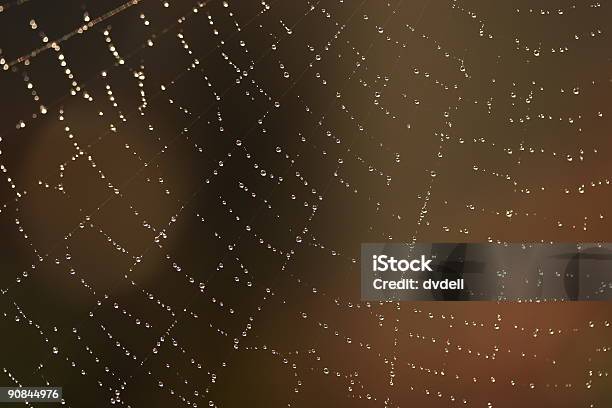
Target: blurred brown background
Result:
[186, 187]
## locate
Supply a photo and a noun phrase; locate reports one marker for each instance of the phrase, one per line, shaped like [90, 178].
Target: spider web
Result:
[186, 186]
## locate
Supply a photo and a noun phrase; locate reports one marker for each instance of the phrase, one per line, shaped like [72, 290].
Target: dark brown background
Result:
[298, 335]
